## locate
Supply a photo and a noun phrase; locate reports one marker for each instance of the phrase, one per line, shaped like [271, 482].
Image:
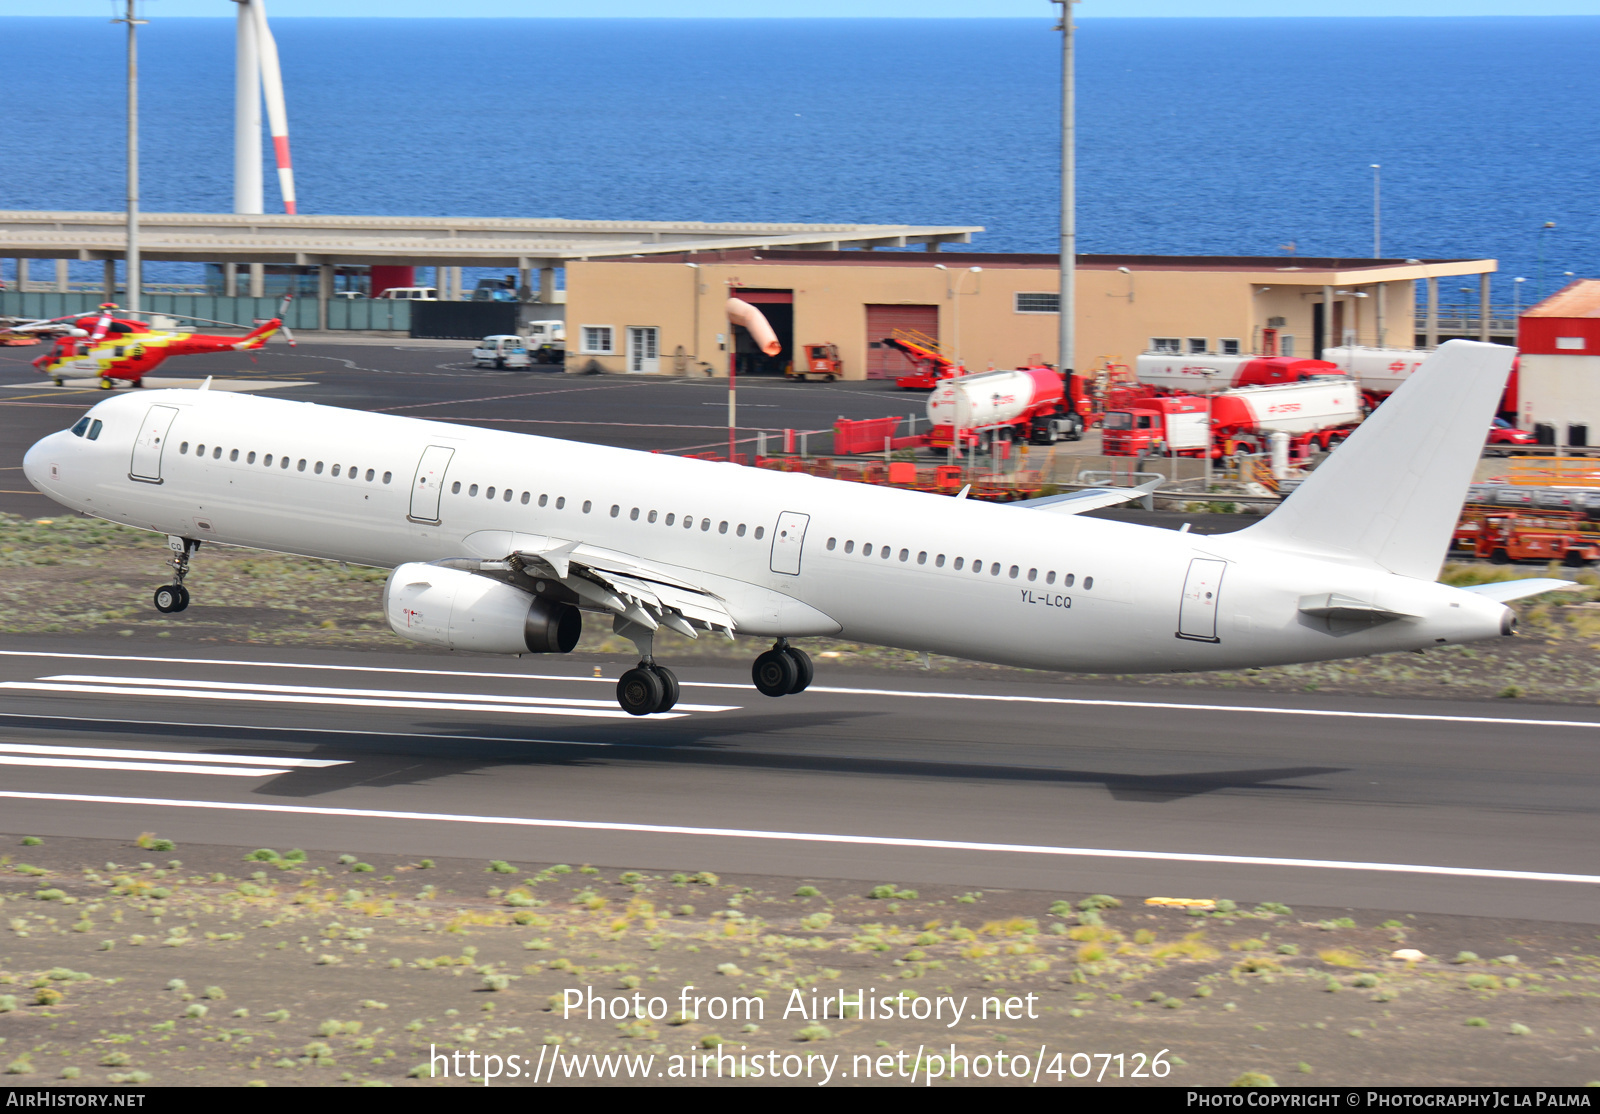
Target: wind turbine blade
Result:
[277, 115]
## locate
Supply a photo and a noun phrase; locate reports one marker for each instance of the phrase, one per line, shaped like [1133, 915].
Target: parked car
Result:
[411, 293]
[1505, 438]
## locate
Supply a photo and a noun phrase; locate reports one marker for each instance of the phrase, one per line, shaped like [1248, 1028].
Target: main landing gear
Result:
[175, 597]
[782, 671]
[647, 687]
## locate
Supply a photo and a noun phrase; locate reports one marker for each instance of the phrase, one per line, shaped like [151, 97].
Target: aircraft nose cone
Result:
[35, 464]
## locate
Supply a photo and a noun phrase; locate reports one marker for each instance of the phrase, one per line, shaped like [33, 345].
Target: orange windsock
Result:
[743, 313]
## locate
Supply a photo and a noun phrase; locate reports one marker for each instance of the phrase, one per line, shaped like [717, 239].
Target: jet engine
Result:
[463, 611]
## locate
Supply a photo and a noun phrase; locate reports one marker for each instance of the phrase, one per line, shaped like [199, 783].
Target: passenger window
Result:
[387, 476]
[633, 515]
[301, 467]
[1088, 583]
[543, 500]
[651, 517]
[1066, 581]
[1050, 577]
[81, 426]
[473, 490]
[740, 530]
[505, 496]
[250, 458]
[283, 462]
[317, 469]
[234, 456]
[977, 566]
[94, 430]
[759, 531]
[959, 560]
[369, 476]
[183, 448]
[994, 568]
[705, 524]
[849, 547]
[200, 450]
[832, 542]
[1033, 574]
[489, 494]
[616, 509]
[922, 558]
[938, 562]
[722, 529]
[671, 518]
[587, 505]
[866, 549]
[1014, 571]
[904, 554]
[525, 497]
[267, 460]
[688, 522]
[884, 552]
[216, 453]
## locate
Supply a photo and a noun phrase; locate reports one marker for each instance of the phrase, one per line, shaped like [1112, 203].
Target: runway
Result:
[1411, 806]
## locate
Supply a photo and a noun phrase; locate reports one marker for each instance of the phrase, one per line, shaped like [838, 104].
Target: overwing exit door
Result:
[788, 537]
[146, 465]
[429, 483]
[1197, 615]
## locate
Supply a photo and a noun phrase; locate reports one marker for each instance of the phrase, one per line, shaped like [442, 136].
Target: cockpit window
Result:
[95, 428]
[81, 428]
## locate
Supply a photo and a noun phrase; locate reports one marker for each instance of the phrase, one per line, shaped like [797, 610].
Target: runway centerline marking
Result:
[1068, 701]
[813, 837]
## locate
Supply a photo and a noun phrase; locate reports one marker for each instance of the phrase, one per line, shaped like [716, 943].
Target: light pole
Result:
[1543, 235]
[1066, 336]
[1377, 212]
[131, 254]
[694, 341]
[1516, 286]
[955, 296]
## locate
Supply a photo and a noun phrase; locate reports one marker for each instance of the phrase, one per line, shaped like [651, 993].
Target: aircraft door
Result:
[1197, 615]
[787, 538]
[429, 483]
[146, 465]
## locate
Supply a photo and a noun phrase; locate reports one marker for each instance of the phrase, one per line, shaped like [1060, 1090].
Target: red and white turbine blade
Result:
[277, 115]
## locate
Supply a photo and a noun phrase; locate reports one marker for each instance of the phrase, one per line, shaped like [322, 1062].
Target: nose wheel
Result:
[174, 597]
[783, 670]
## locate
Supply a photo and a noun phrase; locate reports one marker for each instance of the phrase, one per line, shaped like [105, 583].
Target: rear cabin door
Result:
[429, 484]
[787, 538]
[1202, 588]
[152, 439]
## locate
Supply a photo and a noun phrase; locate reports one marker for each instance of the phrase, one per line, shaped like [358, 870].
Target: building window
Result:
[1198, 346]
[1038, 303]
[1569, 344]
[1286, 346]
[1166, 346]
[597, 340]
[1229, 346]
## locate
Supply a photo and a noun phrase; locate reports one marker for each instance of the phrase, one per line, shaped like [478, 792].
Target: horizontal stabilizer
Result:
[1504, 591]
[1092, 499]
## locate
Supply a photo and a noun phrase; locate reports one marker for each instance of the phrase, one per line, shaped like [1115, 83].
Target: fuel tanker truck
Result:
[1204, 375]
[1028, 404]
[1380, 372]
[1316, 415]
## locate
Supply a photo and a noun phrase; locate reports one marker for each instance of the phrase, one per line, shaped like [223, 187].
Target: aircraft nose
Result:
[35, 462]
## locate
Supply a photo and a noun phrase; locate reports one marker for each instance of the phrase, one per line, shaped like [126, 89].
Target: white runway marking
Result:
[1421, 717]
[146, 767]
[164, 755]
[242, 686]
[818, 837]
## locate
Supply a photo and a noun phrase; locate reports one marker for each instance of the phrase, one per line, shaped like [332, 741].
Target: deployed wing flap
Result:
[1091, 499]
[630, 588]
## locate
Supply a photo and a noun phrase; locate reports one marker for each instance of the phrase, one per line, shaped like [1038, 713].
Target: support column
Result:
[110, 273]
[1431, 329]
[547, 285]
[230, 280]
[258, 280]
[1382, 294]
[524, 284]
[324, 293]
[1327, 323]
[1483, 306]
[22, 275]
[63, 284]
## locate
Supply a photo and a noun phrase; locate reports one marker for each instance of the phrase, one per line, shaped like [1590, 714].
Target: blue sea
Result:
[1197, 136]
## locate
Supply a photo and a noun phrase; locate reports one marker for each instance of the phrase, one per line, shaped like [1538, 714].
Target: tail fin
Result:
[1391, 495]
[255, 338]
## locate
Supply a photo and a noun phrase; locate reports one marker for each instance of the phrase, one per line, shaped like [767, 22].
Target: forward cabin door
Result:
[146, 466]
[787, 539]
[1197, 615]
[429, 484]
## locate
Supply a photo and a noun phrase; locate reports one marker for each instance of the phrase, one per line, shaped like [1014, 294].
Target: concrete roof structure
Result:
[1580, 298]
[427, 241]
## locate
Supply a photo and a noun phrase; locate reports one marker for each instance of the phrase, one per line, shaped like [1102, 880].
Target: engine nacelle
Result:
[463, 611]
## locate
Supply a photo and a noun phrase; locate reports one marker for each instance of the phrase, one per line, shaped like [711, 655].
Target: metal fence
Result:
[343, 314]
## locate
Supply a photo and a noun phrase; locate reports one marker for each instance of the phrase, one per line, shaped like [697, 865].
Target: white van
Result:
[411, 293]
[501, 350]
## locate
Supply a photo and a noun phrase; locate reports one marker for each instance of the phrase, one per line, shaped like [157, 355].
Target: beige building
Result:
[665, 314]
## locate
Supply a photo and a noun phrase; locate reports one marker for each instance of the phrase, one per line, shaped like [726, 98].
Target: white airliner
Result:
[499, 542]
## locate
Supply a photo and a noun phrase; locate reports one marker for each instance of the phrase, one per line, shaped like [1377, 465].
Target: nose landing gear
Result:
[783, 670]
[174, 597]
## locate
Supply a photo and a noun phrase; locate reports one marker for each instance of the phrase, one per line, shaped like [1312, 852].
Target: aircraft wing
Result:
[1091, 499]
[627, 586]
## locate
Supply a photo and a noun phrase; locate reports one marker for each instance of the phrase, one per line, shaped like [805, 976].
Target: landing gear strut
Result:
[175, 597]
[782, 671]
[647, 687]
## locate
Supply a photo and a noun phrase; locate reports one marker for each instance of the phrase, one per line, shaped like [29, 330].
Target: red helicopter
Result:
[122, 348]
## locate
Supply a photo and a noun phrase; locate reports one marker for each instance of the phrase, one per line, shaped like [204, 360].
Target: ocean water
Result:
[1226, 136]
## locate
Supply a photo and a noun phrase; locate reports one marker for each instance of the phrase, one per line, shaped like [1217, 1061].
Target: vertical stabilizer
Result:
[1390, 496]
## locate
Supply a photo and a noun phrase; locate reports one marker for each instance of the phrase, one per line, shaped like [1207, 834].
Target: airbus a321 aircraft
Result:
[500, 542]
